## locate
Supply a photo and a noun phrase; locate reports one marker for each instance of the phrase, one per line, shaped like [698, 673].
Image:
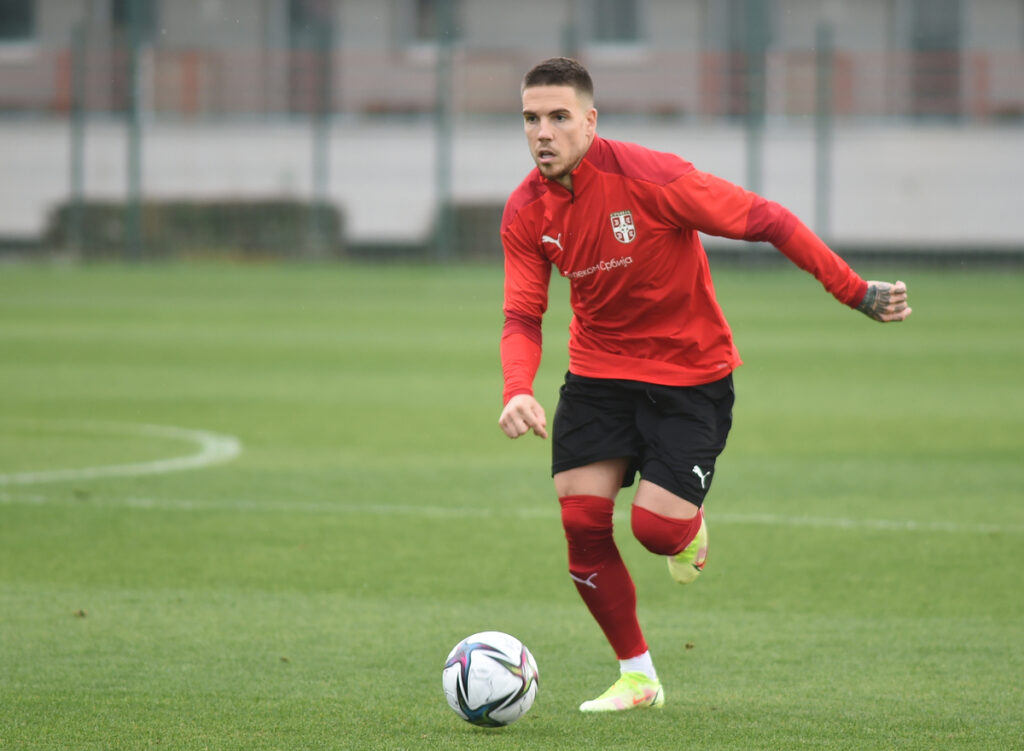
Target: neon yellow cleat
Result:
[631, 691]
[686, 565]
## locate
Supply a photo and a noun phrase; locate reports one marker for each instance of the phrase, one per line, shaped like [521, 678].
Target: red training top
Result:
[643, 304]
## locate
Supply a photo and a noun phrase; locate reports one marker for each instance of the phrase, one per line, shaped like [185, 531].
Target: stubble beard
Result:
[551, 172]
[555, 172]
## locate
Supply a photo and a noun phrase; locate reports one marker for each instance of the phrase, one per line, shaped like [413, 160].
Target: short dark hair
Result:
[560, 71]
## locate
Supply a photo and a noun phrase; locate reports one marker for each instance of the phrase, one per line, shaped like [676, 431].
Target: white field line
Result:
[527, 512]
[214, 448]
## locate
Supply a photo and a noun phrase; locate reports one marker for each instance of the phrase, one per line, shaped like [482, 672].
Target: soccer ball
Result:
[490, 679]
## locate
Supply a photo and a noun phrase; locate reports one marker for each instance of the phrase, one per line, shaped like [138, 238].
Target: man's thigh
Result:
[602, 479]
[595, 422]
[684, 430]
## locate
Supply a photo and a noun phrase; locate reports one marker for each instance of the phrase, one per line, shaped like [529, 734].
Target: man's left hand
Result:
[885, 302]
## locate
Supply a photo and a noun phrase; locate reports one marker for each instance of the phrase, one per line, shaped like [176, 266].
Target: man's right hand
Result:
[522, 414]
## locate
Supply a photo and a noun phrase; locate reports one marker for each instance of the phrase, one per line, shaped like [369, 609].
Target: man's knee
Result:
[661, 534]
[587, 521]
[585, 516]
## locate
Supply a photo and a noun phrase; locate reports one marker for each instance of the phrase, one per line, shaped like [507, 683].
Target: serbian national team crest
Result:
[623, 227]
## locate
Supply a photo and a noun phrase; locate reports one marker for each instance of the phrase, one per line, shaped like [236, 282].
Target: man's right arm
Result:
[527, 275]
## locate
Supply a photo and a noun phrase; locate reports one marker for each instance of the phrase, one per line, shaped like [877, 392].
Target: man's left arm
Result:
[881, 301]
[718, 207]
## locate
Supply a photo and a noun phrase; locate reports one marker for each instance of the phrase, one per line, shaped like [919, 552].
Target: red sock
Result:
[600, 575]
[662, 534]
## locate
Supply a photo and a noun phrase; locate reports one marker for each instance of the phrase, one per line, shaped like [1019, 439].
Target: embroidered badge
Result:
[623, 227]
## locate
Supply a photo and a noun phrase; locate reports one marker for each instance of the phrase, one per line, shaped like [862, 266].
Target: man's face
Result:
[559, 129]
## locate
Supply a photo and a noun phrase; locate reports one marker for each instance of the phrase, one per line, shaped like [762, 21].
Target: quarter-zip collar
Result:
[583, 176]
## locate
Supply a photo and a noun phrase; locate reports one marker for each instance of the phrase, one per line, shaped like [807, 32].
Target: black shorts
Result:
[671, 434]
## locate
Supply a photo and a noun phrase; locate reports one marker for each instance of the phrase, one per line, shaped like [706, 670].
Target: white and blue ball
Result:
[490, 679]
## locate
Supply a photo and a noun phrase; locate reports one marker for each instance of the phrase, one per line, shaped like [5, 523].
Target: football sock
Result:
[600, 576]
[642, 664]
[662, 534]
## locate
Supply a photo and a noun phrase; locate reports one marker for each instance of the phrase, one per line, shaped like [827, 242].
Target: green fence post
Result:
[133, 204]
[318, 212]
[824, 51]
[444, 121]
[76, 175]
[756, 48]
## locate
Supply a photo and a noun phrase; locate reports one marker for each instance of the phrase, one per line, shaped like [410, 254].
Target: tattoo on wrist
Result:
[868, 301]
[876, 301]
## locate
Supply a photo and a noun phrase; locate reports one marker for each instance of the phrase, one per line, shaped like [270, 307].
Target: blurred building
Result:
[701, 58]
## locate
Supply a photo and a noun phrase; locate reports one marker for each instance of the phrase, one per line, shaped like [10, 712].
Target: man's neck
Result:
[566, 180]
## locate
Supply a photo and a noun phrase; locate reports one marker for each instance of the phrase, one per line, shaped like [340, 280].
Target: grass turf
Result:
[863, 589]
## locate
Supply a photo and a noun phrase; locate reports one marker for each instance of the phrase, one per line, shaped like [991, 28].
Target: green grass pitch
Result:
[867, 533]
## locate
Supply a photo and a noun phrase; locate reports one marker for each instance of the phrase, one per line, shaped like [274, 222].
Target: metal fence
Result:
[121, 96]
[971, 87]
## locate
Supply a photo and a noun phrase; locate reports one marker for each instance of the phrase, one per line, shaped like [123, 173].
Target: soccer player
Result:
[649, 387]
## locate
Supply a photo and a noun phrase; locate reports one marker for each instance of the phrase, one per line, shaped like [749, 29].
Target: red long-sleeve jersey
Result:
[643, 302]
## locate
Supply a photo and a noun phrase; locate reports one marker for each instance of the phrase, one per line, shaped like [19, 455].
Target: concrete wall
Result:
[945, 186]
